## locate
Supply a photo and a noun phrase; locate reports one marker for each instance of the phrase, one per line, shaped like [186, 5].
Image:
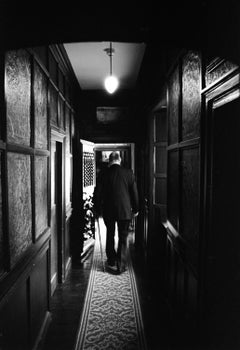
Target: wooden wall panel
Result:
[67, 91]
[53, 105]
[180, 284]
[38, 290]
[160, 129]
[217, 69]
[2, 252]
[191, 296]
[40, 108]
[14, 319]
[158, 196]
[17, 92]
[161, 159]
[173, 189]
[172, 274]
[42, 54]
[173, 107]
[53, 67]
[68, 129]
[190, 187]
[61, 82]
[26, 306]
[19, 202]
[61, 113]
[34, 95]
[191, 97]
[53, 174]
[160, 191]
[181, 287]
[168, 266]
[41, 195]
[183, 187]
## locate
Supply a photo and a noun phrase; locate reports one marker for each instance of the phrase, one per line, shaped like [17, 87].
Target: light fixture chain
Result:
[110, 58]
[111, 82]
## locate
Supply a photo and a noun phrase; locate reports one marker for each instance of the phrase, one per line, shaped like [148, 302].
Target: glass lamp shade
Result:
[111, 84]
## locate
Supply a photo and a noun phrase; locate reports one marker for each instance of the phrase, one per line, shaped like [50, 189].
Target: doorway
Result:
[56, 213]
[94, 157]
[224, 240]
[126, 150]
[103, 150]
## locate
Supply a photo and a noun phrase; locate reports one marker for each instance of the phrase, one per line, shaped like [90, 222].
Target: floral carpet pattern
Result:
[111, 317]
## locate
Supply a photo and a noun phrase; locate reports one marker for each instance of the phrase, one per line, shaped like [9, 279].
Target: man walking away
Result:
[116, 198]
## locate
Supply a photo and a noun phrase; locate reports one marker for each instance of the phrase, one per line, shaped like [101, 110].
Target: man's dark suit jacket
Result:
[116, 193]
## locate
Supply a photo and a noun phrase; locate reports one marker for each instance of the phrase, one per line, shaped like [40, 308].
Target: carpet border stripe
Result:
[137, 307]
[85, 313]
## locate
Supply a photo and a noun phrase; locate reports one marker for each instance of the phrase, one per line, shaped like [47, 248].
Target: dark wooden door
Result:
[56, 213]
[224, 240]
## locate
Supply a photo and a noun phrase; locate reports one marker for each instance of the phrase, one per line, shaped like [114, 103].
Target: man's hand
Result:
[135, 214]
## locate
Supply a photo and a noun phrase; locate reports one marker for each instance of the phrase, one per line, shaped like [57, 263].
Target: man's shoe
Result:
[112, 267]
[121, 269]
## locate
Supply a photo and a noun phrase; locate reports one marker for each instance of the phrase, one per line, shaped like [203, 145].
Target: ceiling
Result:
[91, 64]
[212, 25]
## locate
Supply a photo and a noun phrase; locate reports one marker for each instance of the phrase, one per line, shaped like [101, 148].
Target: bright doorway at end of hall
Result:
[103, 150]
[94, 158]
[126, 150]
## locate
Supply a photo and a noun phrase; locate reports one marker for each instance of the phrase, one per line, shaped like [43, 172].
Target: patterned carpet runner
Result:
[111, 317]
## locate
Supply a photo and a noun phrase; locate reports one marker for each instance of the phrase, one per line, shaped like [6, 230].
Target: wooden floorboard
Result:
[66, 307]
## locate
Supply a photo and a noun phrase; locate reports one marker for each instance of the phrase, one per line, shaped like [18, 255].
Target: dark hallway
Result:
[177, 127]
[68, 301]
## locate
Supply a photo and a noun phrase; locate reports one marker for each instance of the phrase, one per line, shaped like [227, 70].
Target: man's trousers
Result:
[119, 256]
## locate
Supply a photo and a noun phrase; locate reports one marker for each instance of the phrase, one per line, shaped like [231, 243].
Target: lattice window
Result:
[88, 169]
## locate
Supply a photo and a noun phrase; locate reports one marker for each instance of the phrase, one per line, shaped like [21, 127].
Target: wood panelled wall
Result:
[38, 98]
[183, 151]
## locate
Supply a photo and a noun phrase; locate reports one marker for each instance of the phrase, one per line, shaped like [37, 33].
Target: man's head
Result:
[114, 158]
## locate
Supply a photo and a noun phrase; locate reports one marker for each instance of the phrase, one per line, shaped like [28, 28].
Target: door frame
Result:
[214, 96]
[59, 138]
[119, 147]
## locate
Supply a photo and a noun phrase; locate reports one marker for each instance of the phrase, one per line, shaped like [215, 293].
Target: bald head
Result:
[114, 158]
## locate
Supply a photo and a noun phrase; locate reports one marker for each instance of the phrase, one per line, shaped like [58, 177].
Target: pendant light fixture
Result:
[111, 82]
